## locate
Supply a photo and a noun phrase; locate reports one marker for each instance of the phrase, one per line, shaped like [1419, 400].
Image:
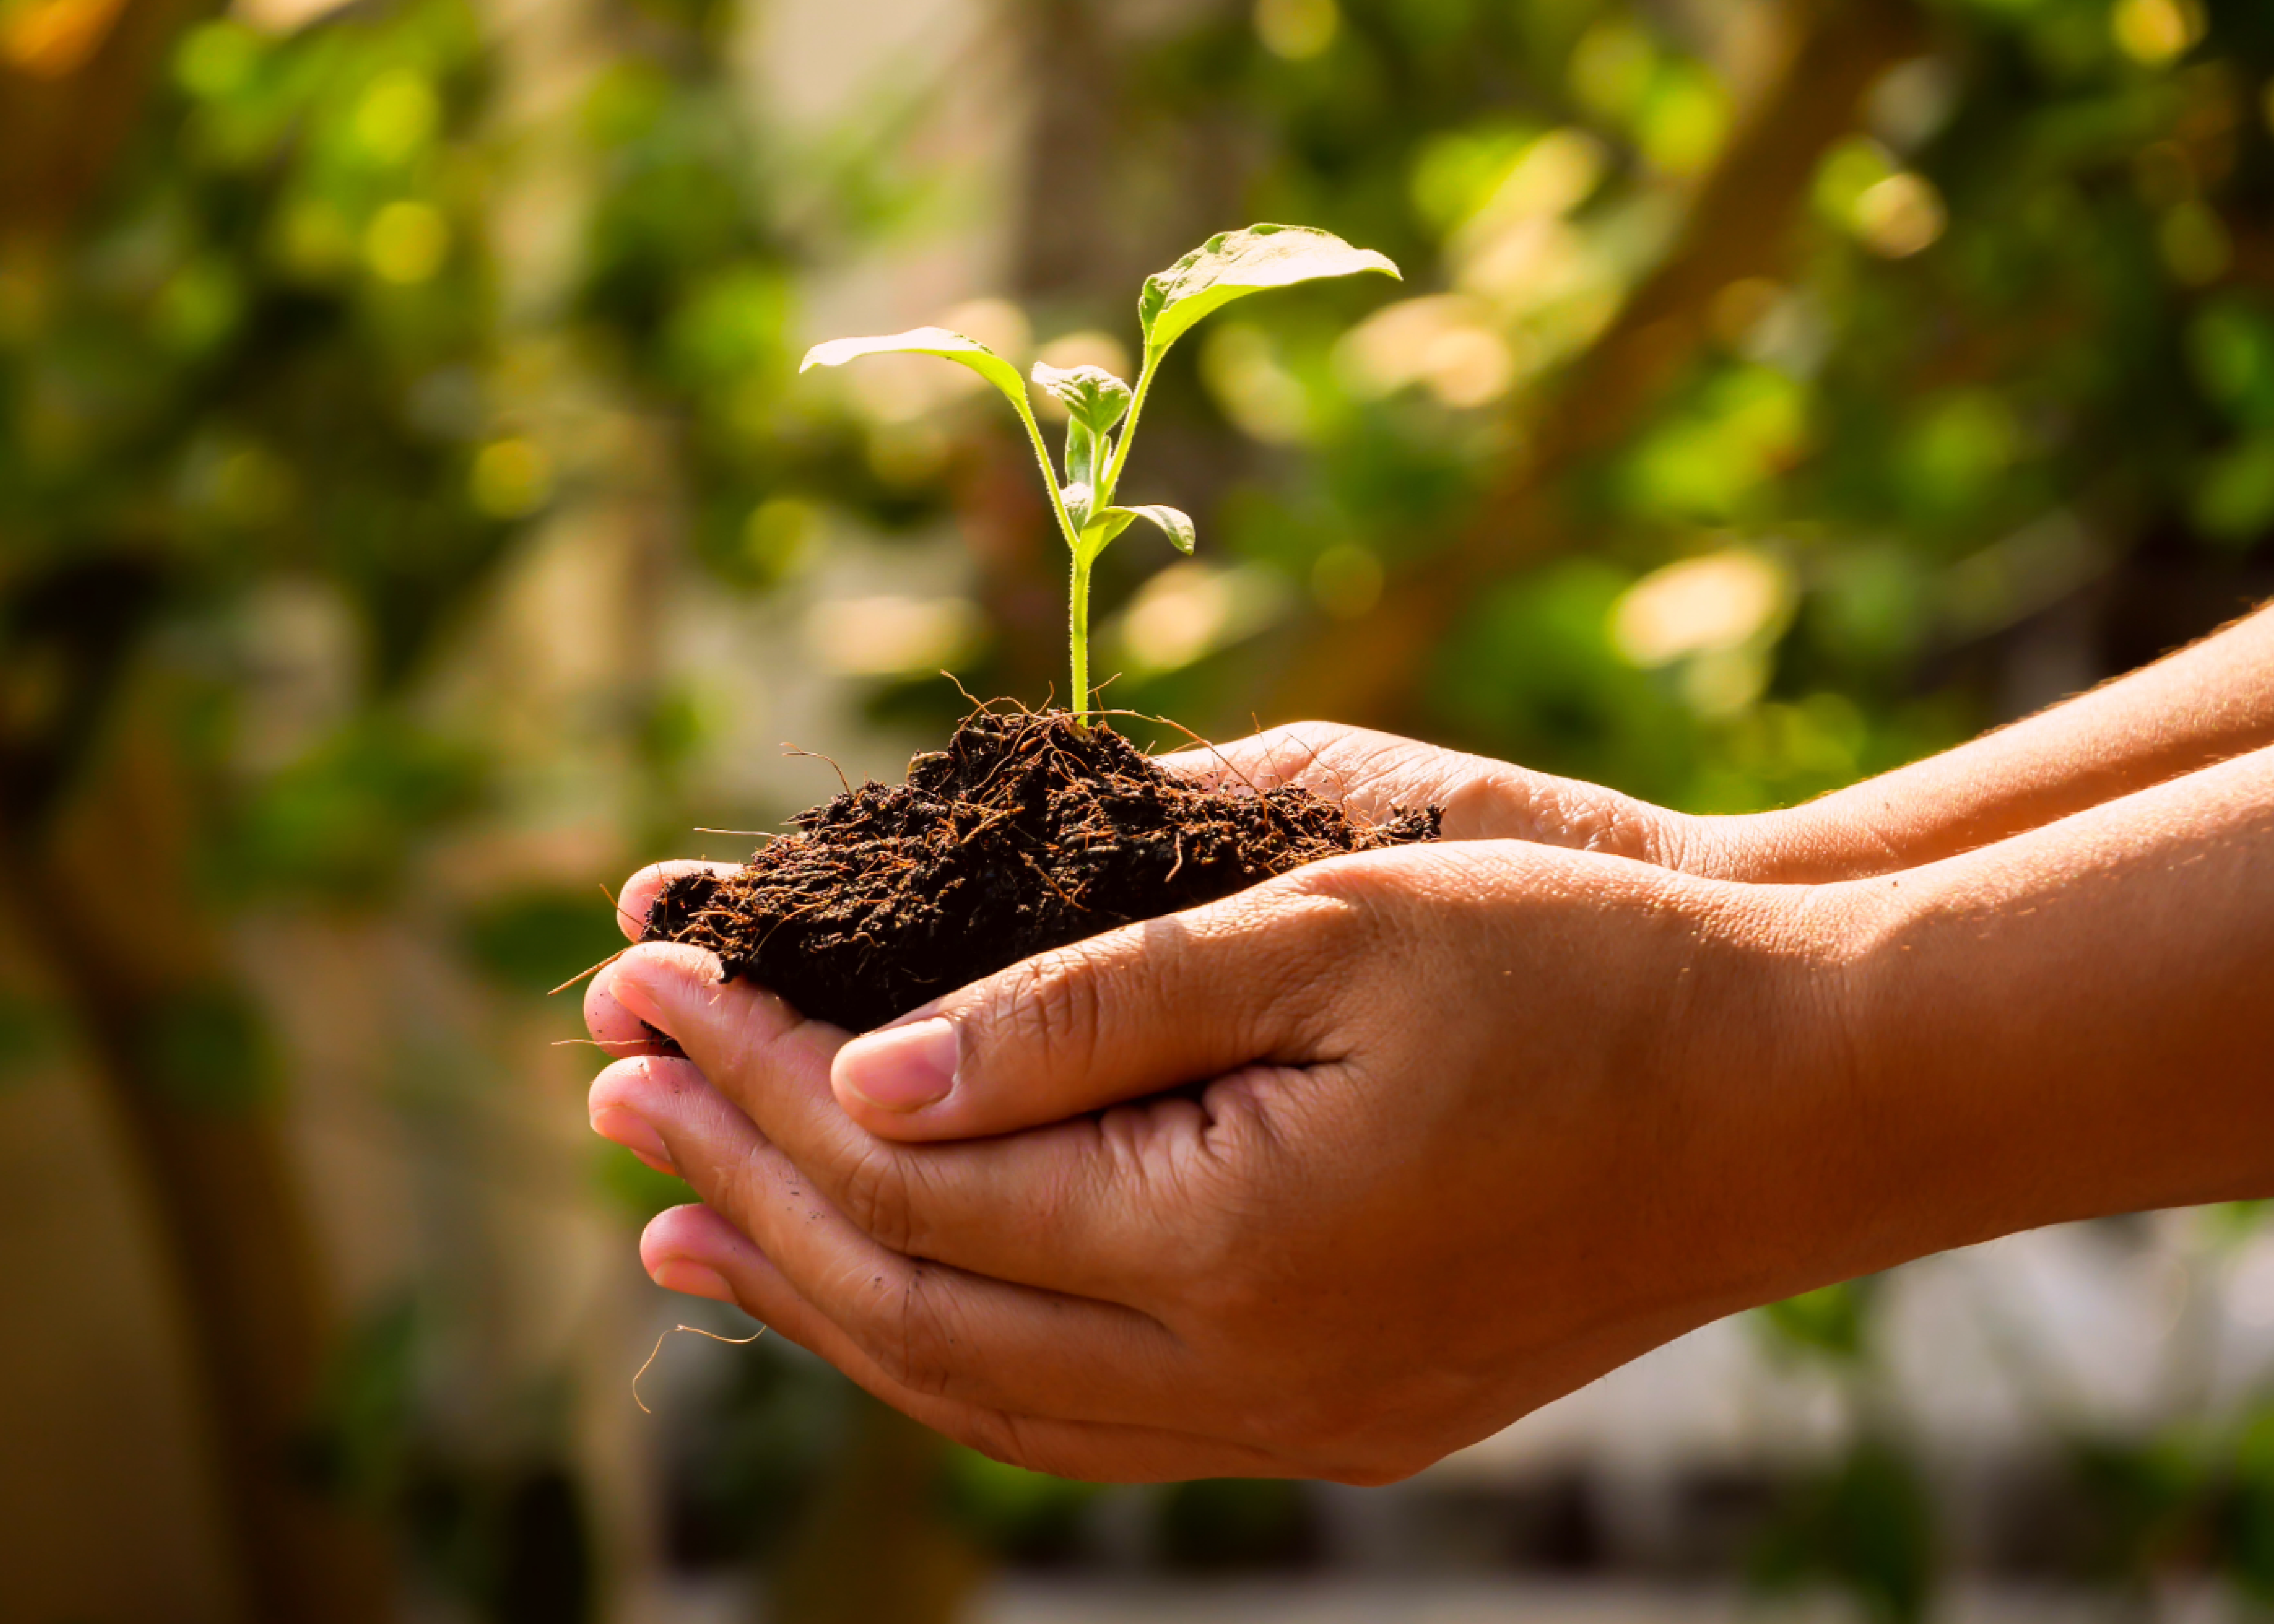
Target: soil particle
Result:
[1023, 835]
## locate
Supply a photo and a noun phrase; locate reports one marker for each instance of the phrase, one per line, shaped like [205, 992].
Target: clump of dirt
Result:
[1025, 834]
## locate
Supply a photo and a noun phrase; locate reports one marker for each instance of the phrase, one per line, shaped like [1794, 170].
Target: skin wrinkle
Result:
[873, 1186]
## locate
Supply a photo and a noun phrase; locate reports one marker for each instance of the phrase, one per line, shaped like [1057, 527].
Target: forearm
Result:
[2071, 1023]
[2204, 704]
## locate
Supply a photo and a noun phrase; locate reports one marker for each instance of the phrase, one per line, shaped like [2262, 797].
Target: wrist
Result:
[1780, 1186]
[1808, 845]
[1842, 1146]
[1823, 842]
[2071, 1023]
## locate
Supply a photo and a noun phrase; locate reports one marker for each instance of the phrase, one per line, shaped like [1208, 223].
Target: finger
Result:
[698, 1246]
[1374, 774]
[614, 1027]
[1371, 774]
[936, 1329]
[1137, 1011]
[638, 894]
[1094, 1208]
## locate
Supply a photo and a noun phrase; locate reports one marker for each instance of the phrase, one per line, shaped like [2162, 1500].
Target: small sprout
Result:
[1227, 266]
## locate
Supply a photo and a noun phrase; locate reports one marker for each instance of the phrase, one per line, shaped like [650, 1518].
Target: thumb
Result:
[1137, 1010]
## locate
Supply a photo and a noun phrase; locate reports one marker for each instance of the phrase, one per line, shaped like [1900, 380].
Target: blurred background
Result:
[411, 521]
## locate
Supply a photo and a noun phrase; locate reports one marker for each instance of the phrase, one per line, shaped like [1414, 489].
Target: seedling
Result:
[1227, 266]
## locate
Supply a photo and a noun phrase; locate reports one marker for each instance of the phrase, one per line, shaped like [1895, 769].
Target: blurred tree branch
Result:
[95, 830]
[95, 837]
[1739, 225]
[75, 77]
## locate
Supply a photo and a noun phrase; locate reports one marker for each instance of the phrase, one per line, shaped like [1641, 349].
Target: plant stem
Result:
[1078, 628]
[1078, 605]
[1112, 480]
[1049, 477]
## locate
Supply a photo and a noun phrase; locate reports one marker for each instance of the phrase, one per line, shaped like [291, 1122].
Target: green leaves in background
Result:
[207, 1050]
[342, 822]
[1832, 1321]
[636, 1190]
[1866, 1525]
[30, 1034]
[533, 941]
[1025, 1516]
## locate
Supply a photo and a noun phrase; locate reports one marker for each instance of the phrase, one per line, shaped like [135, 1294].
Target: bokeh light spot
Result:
[892, 635]
[999, 324]
[2156, 33]
[1900, 216]
[1242, 370]
[1611, 67]
[1297, 30]
[406, 242]
[53, 39]
[1701, 606]
[216, 60]
[398, 116]
[1191, 610]
[1685, 120]
[512, 478]
[778, 533]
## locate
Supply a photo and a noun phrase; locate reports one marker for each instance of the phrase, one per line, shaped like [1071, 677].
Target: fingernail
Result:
[631, 1131]
[902, 1068]
[695, 1279]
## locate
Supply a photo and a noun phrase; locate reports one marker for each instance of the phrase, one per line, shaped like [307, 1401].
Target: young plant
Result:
[1227, 266]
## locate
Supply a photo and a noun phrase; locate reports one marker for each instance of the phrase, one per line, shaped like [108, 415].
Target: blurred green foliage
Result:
[1223, 1524]
[1829, 1321]
[284, 403]
[533, 942]
[1866, 1525]
[1027, 1516]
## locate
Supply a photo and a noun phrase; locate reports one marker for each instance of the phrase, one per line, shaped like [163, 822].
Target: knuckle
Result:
[917, 1346]
[1055, 1009]
[739, 1187]
[1336, 906]
[873, 1192]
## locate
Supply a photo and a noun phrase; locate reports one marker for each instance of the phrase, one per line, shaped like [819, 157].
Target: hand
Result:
[1375, 773]
[2211, 702]
[1468, 1125]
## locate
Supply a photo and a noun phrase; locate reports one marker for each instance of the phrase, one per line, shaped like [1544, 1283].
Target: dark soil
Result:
[1024, 834]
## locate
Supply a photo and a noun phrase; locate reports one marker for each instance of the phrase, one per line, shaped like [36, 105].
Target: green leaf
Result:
[1095, 401]
[1101, 528]
[1176, 525]
[1085, 466]
[1093, 397]
[926, 340]
[1077, 496]
[1233, 265]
